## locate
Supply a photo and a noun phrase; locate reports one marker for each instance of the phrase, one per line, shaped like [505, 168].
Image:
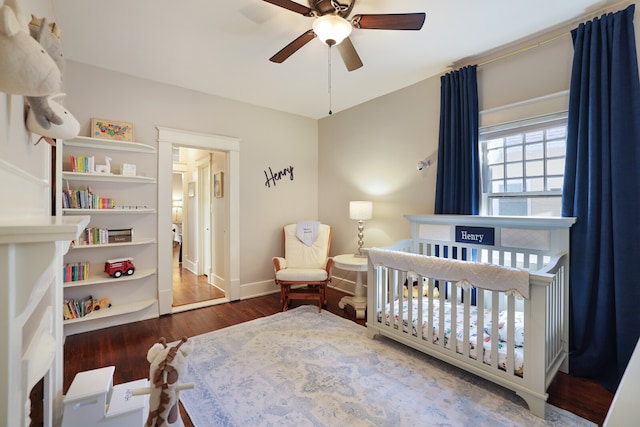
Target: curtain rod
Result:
[524, 49]
[574, 23]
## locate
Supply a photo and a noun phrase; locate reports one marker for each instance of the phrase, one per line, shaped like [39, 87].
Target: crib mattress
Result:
[473, 329]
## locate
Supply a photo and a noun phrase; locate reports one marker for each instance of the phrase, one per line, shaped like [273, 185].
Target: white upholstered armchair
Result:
[305, 270]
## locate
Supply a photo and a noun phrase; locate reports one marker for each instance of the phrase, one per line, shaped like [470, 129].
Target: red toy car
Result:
[118, 267]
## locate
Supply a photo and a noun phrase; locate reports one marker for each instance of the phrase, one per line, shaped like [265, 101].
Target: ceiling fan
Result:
[332, 26]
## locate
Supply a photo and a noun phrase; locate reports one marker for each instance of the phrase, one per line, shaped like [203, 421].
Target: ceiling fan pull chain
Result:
[329, 78]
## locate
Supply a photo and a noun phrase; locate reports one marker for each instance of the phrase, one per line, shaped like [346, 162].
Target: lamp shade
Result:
[331, 29]
[360, 210]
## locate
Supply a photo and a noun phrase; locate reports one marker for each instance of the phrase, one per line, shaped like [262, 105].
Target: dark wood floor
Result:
[125, 347]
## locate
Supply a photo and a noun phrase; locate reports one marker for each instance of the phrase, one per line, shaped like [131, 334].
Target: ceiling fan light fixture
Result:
[331, 29]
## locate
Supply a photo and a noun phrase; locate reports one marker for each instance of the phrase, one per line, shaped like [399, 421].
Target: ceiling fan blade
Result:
[349, 55]
[293, 47]
[292, 6]
[392, 21]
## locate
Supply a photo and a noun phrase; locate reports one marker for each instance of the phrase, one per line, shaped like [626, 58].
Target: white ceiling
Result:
[222, 47]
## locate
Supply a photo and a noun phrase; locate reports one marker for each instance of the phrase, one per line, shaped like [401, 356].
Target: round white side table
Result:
[350, 262]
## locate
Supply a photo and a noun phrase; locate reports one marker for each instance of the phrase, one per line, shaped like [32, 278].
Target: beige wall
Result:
[370, 152]
[268, 139]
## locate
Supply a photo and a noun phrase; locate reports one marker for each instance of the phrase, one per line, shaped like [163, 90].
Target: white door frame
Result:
[167, 137]
[205, 222]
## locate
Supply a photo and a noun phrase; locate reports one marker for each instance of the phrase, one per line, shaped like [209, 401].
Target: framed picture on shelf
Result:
[217, 184]
[111, 129]
[128, 169]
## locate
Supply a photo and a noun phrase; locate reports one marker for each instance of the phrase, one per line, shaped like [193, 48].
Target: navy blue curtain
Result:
[602, 189]
[458, 177]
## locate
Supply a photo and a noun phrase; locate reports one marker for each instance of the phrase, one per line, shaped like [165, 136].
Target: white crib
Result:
[519, 343]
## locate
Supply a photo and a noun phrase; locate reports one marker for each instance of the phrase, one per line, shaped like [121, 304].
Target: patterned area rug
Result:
[304, 368]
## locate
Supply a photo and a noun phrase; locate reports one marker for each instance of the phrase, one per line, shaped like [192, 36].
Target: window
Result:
[523, 166]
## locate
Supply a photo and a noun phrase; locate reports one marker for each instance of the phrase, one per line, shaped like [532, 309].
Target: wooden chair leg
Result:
[324, 294]
[284, 296]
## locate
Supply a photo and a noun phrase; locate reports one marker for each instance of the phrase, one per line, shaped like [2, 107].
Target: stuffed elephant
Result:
[48, 35]
[25, 68]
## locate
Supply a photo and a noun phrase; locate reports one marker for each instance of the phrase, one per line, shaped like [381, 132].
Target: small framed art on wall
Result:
[217, 184]
[111, 129]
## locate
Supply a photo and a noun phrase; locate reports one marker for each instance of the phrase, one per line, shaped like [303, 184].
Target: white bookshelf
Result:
[80, 176]
[145, 241]
[101, 278]
[109, 145]
[134, 297]
[108, 211]
[113, 311]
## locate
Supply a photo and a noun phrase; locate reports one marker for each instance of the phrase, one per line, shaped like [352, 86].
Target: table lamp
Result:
[360, 210]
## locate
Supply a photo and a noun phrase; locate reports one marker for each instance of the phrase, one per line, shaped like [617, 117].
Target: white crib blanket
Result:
[481, 275]
[473, 329]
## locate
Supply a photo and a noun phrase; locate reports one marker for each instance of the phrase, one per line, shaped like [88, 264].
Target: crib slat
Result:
[430, 319]
[388, 293]
[495, 303]
[453, 335]
[397, 312]
[421, 284]
[511, 321]
[467, 313]
[550, 322]
[408, 302]
[441, 316]
[480, 328]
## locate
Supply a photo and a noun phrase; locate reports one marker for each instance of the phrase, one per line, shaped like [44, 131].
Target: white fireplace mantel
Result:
[31, 251]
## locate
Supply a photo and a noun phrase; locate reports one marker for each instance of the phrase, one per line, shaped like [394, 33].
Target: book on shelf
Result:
[92, 236]
[74, 309]
[83, 198]
[103, 236]
[83, 164]
[75, 272]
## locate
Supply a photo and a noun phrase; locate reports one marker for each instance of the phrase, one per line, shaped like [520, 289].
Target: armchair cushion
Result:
[299, 255]
[302, 275]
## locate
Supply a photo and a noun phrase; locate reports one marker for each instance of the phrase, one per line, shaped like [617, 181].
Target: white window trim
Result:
[507, 128]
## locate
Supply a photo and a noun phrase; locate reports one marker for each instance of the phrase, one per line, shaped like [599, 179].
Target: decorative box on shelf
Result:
[128, 169]
[121, 235]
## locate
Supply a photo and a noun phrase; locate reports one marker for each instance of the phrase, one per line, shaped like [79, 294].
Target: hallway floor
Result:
[189, 288]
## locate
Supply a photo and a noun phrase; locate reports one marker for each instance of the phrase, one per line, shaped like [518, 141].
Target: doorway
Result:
[195, 279]
[224, 259]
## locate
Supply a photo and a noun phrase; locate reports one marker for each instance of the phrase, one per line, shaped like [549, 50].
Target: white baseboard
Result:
[217, 282]
[192, 266]
[258, 289]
